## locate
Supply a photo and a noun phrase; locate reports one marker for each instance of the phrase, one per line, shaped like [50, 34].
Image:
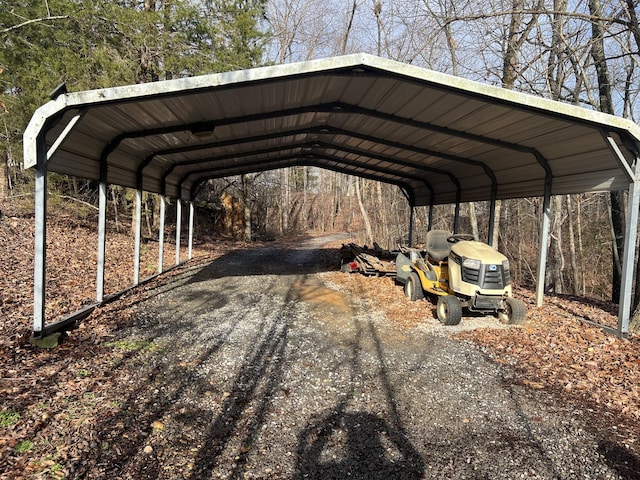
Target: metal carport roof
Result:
[440, 138]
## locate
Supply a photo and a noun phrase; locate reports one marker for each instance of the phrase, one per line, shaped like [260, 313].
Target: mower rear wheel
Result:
[515, 312]
[449, 310]
[413, 287]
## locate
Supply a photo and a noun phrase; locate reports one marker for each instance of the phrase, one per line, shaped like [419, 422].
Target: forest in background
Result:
[583, 52]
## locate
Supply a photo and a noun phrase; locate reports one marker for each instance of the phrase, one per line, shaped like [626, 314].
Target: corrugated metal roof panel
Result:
[357, 114]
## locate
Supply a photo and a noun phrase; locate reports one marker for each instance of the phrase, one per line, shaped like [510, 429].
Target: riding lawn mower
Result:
[461, 273]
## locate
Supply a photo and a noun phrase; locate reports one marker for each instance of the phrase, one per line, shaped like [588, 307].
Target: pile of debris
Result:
[368, 261]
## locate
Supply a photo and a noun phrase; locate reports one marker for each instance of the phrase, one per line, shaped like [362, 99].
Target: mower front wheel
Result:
[449, 310]
[413, 287]
[514, 313]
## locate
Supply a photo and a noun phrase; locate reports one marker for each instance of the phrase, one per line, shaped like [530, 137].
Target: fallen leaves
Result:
[555, 350]
[48, 396]
[564, 354]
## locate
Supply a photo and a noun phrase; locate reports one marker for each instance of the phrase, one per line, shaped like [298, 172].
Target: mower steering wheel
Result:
[457, 237]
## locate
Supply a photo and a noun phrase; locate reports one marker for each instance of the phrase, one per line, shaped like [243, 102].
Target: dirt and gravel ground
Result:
[264, 361]
[260, 364]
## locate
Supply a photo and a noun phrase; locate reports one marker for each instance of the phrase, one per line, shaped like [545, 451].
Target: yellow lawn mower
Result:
[461, 273]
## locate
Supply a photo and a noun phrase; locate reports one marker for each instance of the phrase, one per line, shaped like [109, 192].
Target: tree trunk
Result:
[345, 37]
[303, 209]
[572, 249]
[555, 75]
[496, 229]
[284, 201]
[451, 44]
[363, 211]
[147, 71]
[473, 219]
[633, 20]
[555, 276]
[377, 10]
[382, 226]
[115, 200]
[246, 202]
[618, 223]
[509, 76]
[606, 105]
[148, 214]
[133, 211]
[4, 174]
[335, 206]
[583, 289]
[510, 61]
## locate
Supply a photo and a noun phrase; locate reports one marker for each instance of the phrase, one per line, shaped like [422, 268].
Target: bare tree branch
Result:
[35, 20]
[525, 11]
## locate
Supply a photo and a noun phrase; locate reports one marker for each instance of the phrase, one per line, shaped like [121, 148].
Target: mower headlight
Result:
[471, 263]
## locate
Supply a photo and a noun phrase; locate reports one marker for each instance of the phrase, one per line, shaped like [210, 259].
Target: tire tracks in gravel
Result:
[261, 368]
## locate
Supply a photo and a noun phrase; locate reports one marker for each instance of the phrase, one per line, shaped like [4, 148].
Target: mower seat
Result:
[437, 246]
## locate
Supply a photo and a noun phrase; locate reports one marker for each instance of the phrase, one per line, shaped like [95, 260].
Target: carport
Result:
[439, 138]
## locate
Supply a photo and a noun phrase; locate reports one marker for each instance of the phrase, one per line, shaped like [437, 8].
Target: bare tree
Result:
[606, 105]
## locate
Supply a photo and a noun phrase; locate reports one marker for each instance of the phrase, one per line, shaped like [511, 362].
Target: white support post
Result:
[102, 224]
[161, 235]
[543, 245]
[138, 227]
[178, 228]
[624, 309]
[191, 220]
[40, 250]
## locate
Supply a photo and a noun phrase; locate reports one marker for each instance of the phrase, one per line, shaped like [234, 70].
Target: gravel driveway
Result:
[257, 366]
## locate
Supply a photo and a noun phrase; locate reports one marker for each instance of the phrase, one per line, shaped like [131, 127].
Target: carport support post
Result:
[40, 251]
[178, 227]
[544, 244]
[161, 234]
[191, 218]
[136, 254]
[624, 310]
[102, 229]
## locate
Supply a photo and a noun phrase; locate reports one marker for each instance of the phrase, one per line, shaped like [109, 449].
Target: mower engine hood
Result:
[478, 251]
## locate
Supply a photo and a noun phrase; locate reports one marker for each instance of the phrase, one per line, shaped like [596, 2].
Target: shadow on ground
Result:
[223, 372]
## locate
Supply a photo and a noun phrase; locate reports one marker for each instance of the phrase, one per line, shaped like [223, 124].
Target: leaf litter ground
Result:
[58, 407]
